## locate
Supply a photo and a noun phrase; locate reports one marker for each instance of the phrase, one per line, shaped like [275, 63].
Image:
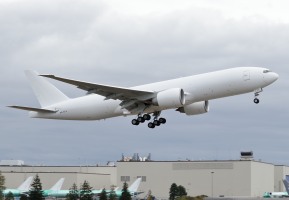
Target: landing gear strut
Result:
[257, 93]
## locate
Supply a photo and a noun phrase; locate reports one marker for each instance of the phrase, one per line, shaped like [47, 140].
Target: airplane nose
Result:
[274, 77]
[271, 77]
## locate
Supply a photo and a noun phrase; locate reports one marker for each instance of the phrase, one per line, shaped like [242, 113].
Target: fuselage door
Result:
[246, 75]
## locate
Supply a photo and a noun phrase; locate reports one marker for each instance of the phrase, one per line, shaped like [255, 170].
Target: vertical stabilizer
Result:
[25, 186]
[286, 184]
[46, 93]
[134, 186]
[58, 185]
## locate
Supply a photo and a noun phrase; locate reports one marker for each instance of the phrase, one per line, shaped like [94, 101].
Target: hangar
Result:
[225, 178]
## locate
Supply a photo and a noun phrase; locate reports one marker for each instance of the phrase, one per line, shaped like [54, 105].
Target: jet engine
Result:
[171, 98]
[195, 108]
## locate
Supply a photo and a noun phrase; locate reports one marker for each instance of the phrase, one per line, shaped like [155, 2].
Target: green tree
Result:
[2, 185]
[125, 195]
[23, 197]
[35, 193]
[202, 197]
[112, 194]
[182, 191]
[86, 191]
[103, 195]
[73, 193]
[9, 196]
[173, 191]
[150, 196]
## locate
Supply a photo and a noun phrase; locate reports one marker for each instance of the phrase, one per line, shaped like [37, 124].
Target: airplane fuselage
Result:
[197, 88]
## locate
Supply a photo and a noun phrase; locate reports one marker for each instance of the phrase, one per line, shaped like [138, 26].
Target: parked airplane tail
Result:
[46, 93]
[286, 184]
[58, 185]
[134, 186]
[25, 186]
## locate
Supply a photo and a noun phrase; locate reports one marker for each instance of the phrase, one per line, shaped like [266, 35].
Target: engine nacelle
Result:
[195, 108]
[171, 98]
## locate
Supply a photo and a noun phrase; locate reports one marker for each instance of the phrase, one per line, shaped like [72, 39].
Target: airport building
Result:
[227, 178]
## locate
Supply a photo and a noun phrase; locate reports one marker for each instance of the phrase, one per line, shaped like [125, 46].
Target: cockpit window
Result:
[266, 71]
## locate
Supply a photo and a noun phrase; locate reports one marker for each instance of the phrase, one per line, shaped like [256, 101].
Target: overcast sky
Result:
[133, 42]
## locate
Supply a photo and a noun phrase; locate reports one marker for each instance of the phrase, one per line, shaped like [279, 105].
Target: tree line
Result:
[83, 193]
[180, 193]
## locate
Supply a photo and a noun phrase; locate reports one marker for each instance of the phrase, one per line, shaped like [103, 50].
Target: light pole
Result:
[212, 176]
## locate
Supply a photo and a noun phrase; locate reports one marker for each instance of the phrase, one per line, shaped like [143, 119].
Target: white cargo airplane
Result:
[189, 95]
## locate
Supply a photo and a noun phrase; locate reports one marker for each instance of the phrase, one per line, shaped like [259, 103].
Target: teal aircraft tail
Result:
[25, 186]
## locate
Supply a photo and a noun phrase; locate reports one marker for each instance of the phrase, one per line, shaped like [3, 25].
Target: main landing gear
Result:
[147, 117]
[141, 119]
[257, 93]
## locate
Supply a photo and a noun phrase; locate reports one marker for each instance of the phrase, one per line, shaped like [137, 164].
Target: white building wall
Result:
[240, 181]
[262, 178]
[158, 177]
[98, 177]
[280, 173]
[229, 178]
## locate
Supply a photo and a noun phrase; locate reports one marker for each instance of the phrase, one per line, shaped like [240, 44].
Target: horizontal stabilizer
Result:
[33, 109]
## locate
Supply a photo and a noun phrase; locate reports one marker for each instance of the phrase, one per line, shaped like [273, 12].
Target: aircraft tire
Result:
[157, 123]
[256, 101]
[147, 117]
[135, 122]
[151, 125]
[162, 120]
[141, 119]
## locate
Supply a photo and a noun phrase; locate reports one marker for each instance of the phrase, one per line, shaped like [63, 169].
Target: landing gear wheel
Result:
[147, 117]
[141, 119]
[135, 122]
[256, 101]
[162, 120]
[156, 123]
[151, 125]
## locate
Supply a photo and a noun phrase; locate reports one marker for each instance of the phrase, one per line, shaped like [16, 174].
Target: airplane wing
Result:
[129, 97]
[110, 92]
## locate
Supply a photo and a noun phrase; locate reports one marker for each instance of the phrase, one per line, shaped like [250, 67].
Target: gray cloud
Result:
[134, 44]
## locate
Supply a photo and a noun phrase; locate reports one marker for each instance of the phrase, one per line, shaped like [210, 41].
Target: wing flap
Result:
[33, 109]
[110, 92]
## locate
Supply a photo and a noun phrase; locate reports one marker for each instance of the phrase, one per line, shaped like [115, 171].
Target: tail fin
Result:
[134, 186]
[286, 184]
[46, 93]
[58, 185]
[25, 186]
